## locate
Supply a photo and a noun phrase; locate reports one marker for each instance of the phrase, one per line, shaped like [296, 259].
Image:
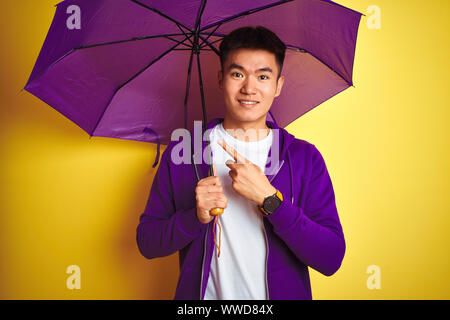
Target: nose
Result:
[249, 86]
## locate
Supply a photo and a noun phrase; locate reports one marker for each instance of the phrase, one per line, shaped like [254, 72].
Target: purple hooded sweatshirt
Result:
[303, 232]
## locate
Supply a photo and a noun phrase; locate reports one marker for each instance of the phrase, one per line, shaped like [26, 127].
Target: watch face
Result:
[271, 204]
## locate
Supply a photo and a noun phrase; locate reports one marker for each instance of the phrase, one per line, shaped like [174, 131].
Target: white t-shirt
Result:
[240, 271]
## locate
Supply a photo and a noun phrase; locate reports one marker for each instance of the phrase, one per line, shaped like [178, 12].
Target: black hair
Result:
[250, 37]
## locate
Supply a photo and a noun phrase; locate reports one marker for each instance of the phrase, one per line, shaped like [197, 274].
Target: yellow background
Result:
[70, 200]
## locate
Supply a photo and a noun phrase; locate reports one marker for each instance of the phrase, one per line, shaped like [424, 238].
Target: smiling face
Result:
[249, 84]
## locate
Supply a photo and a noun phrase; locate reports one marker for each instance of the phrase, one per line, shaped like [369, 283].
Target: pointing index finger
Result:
[232, 152]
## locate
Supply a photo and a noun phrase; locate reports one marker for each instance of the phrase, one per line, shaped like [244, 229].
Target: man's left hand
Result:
[248, 179]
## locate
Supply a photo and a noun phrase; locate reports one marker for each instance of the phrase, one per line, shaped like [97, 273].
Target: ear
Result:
[280, 83]
[219, 77]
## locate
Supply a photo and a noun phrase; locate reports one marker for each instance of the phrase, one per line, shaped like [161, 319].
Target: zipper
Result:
[203, 262]
[267, 240]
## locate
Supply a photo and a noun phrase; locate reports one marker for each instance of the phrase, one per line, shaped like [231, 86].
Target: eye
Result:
[236, 73]
[264, 76]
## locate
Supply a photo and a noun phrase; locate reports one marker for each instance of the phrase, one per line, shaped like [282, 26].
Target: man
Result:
[275, 224]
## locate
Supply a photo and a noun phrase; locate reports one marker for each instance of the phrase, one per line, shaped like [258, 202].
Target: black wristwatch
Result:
[271, 203]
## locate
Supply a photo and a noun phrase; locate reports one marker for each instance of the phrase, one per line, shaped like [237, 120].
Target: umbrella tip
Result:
[24, 86]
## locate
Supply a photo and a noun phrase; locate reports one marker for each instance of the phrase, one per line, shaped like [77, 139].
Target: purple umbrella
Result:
[135, 70]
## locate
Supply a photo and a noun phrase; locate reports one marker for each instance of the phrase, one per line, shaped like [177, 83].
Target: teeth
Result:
[248, 102]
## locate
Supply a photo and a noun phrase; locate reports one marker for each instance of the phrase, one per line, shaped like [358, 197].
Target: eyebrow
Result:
[236, 66]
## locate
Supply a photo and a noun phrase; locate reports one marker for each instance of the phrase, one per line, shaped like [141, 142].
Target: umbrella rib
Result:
[128, 40]
[162, 15]
[190, 49]
[212, 42]
[181, 42]
[245, 13]
[202, 96]
[131, 79]
[211, 46]
[196, 48]
[298, 49]
[51, 65]
[199, 16]
[340, 5]
[188, 84]
[209, 35]
[321, 103]
[185, 34]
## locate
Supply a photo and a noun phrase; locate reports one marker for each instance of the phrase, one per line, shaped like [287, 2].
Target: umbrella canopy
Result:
[138, 70]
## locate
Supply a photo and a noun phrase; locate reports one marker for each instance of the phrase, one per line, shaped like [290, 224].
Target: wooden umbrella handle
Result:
[216, 211]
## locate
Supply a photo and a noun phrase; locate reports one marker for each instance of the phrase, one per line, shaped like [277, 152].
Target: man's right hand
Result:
[209, 194]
